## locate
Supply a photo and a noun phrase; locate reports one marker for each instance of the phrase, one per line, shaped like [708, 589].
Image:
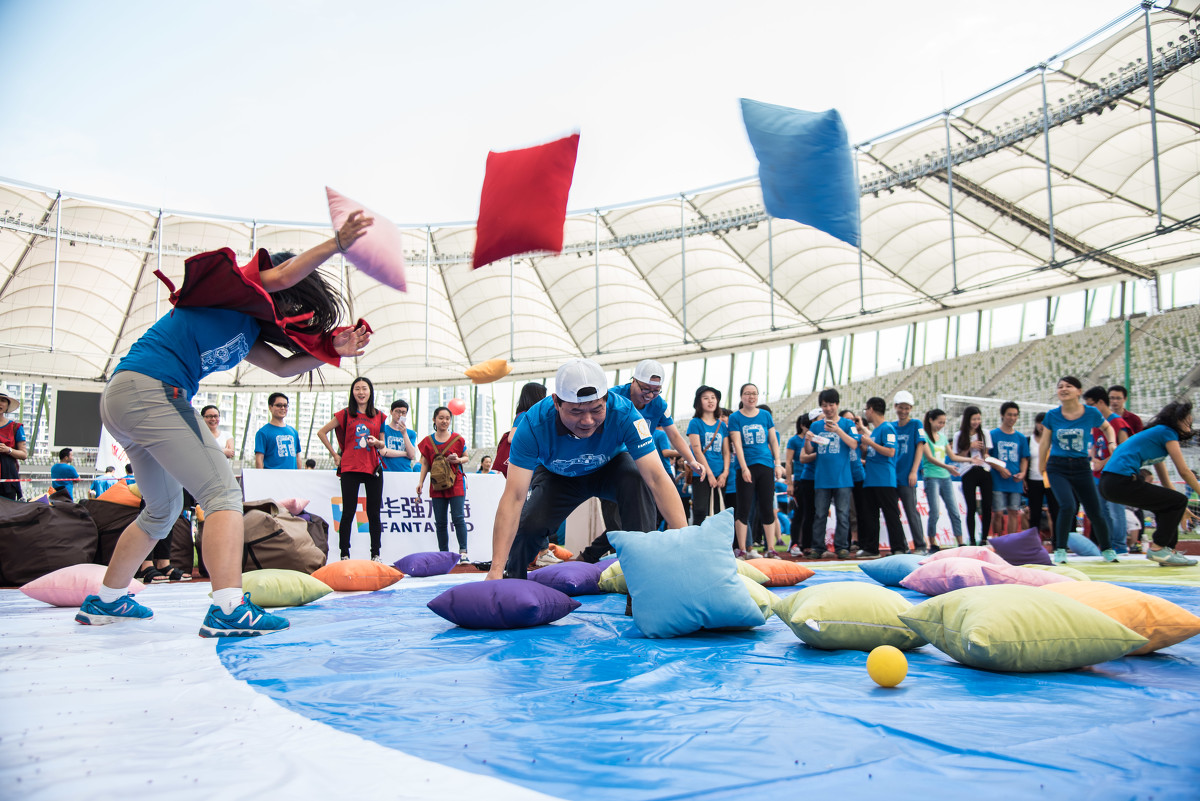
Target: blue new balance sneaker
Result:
[94, 612]
[246, 620]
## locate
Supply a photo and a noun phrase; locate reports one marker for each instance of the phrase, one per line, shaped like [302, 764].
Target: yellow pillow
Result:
[764, 598]
[1158, 620]
[487, 372]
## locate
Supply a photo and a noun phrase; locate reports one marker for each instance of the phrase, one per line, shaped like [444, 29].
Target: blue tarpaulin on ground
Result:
[587, 708]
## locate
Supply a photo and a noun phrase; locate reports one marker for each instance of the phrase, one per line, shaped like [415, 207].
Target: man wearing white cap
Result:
[909, 434]
[581, 442]
[12, 448]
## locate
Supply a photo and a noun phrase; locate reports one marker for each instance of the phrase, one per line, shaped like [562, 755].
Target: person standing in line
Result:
[212, 418]
[12, 449]
[939, 458]
[879, 485]
[1117, 397]
[1036, 486]
[974, 443]
[801, 482]
[828, 444]
[449, 446]
[752, 435]
[735, 470]
[1101, 449]
[101, 484]
[63, 474]
[276, 444]
[1011, 447]
[1063, 452]
[909, 436]
[398, 439]
[858, 475]
[485, 466]
[358, 428]
[1122, 482]
[709, 436]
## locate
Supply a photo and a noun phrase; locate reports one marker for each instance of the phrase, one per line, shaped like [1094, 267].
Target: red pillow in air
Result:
[523, 206]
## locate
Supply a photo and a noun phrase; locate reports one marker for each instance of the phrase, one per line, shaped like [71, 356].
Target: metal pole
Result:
[1147, 5]
[511, 322]
[950, 189]
[683, 263]
[862, 292]
[597, 252]
[1127, 380]
[253, 236]
[771, 268]
[54, 296]
[158, 265]
[1049, 189]
[428, 265]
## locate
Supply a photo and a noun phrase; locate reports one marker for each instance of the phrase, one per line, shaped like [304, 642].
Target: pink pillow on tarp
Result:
[1034, 578]
[295, 506]
[380, 251]
[523, 206]
[955, 573]
[968, 552]
[68, 586]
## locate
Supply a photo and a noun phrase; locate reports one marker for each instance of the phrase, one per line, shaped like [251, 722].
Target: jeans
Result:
[841, 499]
[1071, 479]
[943, 487]
[1167, 504]
[908, 499]
[1114, 515]
[456, 505]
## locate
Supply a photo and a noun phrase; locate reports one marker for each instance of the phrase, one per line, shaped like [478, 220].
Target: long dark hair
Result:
[311, 294]
[352, 405]
[930, 416]
[1172, 416]
[743, 389]
[964, 430]
[531, 393]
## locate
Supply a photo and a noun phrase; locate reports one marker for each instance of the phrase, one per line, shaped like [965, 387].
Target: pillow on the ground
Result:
[1016, 628]
[275, 587]
[891, 570]
[68, 586]
[763, 598]
[120, 493]
[780, 572]
[1022, 548]
[946, 575]
[1161, 622]
[502, 604]
[523, 206]
[968, 552]
[685, 580]
[612, 579]
[295, 506]
[427, 563]
[745, 568]
[357, 575]
[1062, 570]
[488, 371]
[570, 578]
[1034, 578]
[561, 552]
[380, 251]
[1081, 545]
[848, 614]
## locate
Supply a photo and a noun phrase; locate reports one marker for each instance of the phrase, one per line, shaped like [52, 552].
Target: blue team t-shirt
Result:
[394, 441]
[857, 472]
[833, 459]
[662, 443]
[880, 469]
[278, 445]
[754, 436]
[1147, 447]
[654, 413]
[188, 344]
[908, 437]
[712, 438]
[1070, 438]
[1010, 449]
[63, 470]
[541, 439]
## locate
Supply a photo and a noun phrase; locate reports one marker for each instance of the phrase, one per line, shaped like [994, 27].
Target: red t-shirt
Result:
[429, 449]
[1133, 421]
[357, 455]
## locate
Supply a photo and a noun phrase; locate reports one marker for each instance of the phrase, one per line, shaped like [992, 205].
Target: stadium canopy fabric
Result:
[1118, 198]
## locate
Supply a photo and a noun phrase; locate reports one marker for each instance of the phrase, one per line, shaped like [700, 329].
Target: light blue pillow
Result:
[684, 580]
[1081, 545]
[891, 570]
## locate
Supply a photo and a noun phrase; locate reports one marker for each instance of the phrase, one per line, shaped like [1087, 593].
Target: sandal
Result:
[148, 575]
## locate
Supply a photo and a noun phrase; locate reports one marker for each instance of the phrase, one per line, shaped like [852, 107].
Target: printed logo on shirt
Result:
[285, 445]
[361, 432]
[225, 357]
[754, 434]
[643, 428]
[1009, 451]
[590, 461]
[1071, 439]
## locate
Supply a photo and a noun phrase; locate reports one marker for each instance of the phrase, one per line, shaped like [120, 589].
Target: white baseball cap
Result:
[580, 381]
[649, 372]
[816, 414]
[903, 396]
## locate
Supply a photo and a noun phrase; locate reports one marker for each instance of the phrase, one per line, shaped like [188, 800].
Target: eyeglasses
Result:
[212, 417]
[279, 405]
[646, 389]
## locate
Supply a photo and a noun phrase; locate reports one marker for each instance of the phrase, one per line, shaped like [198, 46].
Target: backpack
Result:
[275, 538]
[442, 474]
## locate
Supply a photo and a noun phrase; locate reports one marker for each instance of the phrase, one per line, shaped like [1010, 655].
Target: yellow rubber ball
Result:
[887, 665]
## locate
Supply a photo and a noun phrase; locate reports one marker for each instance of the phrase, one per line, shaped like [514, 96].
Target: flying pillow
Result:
[1161, 622]
[502, 604]
[357, 575]
[523, 206]
[427, 563]
[68, 586]
[380, 251]
[489, 371]
[848, 614]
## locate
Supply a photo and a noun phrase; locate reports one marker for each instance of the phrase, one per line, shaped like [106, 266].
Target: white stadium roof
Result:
[628, 285]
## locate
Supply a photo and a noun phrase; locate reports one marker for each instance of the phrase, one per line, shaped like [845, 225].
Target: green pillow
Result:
[1016, 628]
[1062, 570]
[848, 614]
[613, 579]
[274, 587]
[764, 598]
[753, 573]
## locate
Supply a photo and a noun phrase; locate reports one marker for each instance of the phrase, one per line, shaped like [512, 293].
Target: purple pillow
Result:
[502, 604]
[1022, 548]
[954, 573]
[572, 578]
[427, 563]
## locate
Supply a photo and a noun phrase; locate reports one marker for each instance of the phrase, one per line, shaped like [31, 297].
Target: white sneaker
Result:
[462, 556]
[546, 558]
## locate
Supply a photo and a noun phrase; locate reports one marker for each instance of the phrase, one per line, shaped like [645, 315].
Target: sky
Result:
[250, 109]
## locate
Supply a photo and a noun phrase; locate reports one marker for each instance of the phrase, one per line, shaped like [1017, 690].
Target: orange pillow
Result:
[120, 493]
[561, 552]
[489, 371]
[780, 572]
[357, 575]
[1158, 620]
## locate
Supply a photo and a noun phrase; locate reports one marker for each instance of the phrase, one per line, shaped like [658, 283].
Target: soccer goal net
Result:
[953, 406]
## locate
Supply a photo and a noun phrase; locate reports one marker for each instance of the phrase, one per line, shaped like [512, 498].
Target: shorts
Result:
[1004, 501]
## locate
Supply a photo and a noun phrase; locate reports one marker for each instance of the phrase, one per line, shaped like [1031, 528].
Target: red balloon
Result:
[456, 405]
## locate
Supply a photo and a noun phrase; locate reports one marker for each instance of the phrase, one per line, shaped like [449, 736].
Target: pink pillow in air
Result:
[295, 506]
[68, 586]
[379, 252]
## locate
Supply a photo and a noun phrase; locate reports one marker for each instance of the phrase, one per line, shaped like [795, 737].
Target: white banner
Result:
[408, 524]
[110, 452]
